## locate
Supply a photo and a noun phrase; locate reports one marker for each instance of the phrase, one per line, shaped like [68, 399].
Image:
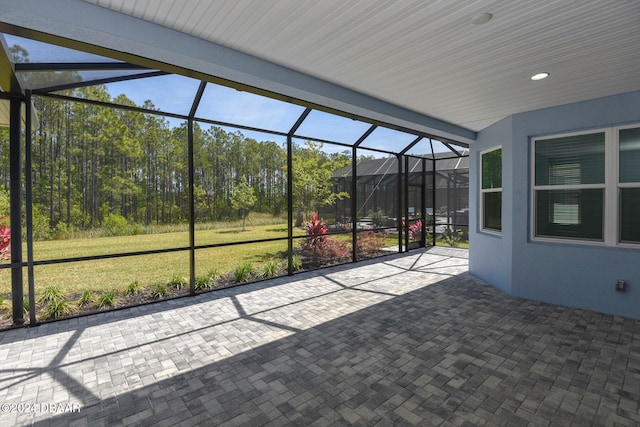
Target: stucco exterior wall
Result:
[571, 274]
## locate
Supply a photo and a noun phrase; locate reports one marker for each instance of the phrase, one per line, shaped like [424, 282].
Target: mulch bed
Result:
[144, 296]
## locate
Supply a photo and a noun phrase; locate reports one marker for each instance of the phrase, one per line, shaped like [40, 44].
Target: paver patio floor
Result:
[409, 339]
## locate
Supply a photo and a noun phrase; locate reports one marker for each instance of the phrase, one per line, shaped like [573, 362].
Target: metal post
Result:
[423, 205]
[191, 178]
[354, 204]
[406, 203]
[433, 198]
[449, 222]
[455, 198]
[192, 211]
[29, 208]
[289, 205]
[290, 134]
[400, 201]
[15, 210]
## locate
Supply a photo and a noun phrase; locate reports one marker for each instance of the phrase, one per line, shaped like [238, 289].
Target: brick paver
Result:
[409, 339]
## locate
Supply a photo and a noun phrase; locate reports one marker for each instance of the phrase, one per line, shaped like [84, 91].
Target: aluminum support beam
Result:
[29, 210]
[15, 195]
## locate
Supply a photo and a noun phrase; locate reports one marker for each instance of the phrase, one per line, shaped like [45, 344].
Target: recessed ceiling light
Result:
[483, 18]
[539, 76]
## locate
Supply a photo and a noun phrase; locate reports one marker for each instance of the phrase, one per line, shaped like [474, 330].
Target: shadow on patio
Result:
[410, 339]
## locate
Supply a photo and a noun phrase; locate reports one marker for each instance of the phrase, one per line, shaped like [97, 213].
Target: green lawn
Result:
[117, 273]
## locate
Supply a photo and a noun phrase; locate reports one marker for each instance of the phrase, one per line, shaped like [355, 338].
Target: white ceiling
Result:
[426, 55]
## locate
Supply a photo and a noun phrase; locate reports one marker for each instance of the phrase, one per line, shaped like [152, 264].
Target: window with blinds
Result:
[629, 185]
[491, 190]
[587, 186]
[569, 186]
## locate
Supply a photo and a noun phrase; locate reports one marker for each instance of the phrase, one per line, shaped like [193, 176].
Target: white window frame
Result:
[488, 190]
[619, 185]
[611, 188]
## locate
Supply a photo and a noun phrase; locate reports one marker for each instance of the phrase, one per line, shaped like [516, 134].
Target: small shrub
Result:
[452, 238]
[206, 281]
[61, 231]
[201, 282]
[133, 288]
[40, 223]
[243, 272]
[51, 294]
[115, 224]
[270, 268]
[56, 309]
[85, 298]
[3, 304]
[158, 291]
[379, 219]
[320, 247]
[4, 200]
[213, 273]
[107, 299]
[136, 229]
[370, 242]
[325, 250]
[25, 304]
[178, 281]
[296, 263]
[429, 238]
[333, 249]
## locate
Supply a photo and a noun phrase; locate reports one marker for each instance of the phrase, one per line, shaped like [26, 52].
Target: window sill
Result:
[490, 232]
[584, 243]
[562, 240]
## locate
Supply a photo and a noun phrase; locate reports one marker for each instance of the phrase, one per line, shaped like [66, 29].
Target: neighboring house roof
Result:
[445, 162]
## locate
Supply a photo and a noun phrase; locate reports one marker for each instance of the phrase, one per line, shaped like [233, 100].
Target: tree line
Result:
[92, 163]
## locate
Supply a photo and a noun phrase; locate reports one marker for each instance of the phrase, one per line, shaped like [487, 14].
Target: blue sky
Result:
[175, 94]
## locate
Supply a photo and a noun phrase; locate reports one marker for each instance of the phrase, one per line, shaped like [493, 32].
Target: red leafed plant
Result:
[5, 238]
[318, 246]
[315, 230]
[370, 243]
[415, 229]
